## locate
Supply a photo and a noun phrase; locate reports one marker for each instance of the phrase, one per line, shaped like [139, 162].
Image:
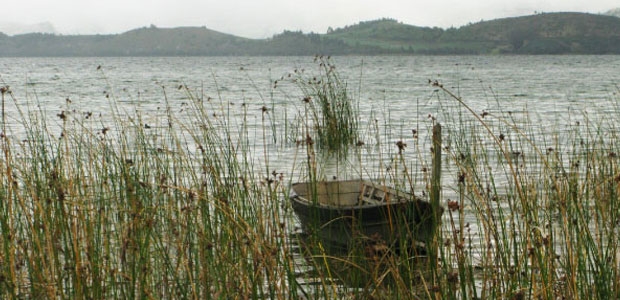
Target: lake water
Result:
[551, 92]
[549, 85]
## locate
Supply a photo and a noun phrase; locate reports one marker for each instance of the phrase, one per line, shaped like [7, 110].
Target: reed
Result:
[332, 115]
[113, 207]
[183, 202]
[539, 199]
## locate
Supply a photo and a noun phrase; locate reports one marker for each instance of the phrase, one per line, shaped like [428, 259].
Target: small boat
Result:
[343, 213]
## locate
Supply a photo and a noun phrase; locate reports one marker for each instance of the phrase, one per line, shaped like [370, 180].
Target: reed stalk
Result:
[334, 116]
[176, 202]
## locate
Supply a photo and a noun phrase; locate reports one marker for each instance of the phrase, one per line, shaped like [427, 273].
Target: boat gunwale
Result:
[401, 197]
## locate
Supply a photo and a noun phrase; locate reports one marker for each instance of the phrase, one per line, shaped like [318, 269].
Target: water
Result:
[542, 84]
[551, 92]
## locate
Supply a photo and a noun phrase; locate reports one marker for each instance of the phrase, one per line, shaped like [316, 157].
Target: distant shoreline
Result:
[547, 33]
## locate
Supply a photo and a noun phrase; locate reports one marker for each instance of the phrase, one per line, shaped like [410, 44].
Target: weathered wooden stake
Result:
[435, 194]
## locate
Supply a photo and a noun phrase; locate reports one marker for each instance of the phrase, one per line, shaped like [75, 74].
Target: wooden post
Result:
[435, 193]
[436, 173]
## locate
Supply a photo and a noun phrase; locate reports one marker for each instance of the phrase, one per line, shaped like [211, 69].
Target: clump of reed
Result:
[531, 211]
[330, 113]
[174, 203]
[123, 205]
[544, 201]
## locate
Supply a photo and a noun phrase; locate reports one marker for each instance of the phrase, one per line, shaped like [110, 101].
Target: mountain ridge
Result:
[544, 33]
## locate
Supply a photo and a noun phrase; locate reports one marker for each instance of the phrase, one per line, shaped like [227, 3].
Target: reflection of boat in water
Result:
[367, 267]
[339, 213]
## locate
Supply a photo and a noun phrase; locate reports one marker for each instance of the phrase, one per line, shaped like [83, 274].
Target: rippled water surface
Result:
[553, 91]
[547, 93]
[541, 84]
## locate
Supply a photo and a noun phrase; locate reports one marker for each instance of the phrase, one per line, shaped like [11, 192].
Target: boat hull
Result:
[339, 215]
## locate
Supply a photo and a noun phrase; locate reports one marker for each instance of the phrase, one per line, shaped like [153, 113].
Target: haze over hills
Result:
[12, 28]
[613, 12]
[545, 33]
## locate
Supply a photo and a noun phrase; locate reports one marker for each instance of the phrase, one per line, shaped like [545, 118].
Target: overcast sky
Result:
[263, 18]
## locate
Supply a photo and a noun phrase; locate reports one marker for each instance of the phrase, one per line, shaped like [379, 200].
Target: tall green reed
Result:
[115, 207]
[535, 194]
[333, 114]
[174, 203]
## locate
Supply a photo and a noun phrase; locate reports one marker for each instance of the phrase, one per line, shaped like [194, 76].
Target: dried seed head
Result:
[453, 205]
[401, 146]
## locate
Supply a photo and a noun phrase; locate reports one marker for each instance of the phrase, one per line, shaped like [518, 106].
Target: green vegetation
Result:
[547, 33]
[552, 217]
[97, 207]
[552, 33]
[188, 206]
[331, 117]
[388, 35]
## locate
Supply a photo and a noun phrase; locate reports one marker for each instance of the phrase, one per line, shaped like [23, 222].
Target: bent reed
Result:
[183, 202]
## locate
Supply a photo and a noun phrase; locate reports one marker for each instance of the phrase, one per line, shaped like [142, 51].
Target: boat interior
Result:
[348, 193]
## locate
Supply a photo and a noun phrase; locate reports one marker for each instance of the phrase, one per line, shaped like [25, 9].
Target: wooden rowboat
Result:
[340, 213]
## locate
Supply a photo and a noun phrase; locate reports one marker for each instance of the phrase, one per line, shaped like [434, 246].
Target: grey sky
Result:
[263, 18]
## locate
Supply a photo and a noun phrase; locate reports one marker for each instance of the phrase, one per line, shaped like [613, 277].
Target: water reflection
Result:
[363, 269]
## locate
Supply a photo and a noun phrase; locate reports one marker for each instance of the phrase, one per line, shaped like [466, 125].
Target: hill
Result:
[548, 33]
[147, 41]
[386, 34]
[173, 41]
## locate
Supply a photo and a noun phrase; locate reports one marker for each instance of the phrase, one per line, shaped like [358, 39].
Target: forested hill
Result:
[548, 33]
